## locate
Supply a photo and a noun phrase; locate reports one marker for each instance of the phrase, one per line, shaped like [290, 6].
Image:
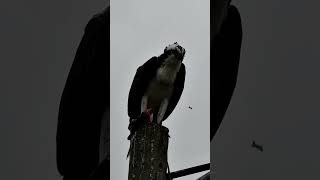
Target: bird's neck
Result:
[167, 73]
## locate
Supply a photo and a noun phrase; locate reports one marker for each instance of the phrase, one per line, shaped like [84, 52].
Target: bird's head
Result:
[170, 62]
[175, 51]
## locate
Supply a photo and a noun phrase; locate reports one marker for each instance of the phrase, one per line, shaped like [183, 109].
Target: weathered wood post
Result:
[148, 153]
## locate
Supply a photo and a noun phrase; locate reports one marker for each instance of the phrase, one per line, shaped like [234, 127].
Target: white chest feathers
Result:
[168, 71]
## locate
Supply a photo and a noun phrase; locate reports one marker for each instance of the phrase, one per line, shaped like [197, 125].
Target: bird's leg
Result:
[149, 114]
[162, 110]
[144, 108]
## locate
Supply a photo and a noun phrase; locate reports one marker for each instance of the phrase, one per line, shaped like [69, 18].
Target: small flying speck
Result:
[257, 146]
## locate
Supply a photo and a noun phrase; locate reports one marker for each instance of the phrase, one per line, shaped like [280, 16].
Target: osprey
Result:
[157, 87]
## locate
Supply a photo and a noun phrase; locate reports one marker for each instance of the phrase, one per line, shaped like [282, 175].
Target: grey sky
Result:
[276, 101]
[139, 30]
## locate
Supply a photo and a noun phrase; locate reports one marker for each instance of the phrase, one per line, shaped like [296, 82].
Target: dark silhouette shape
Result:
[257, 146]
[225, 55]
[190, 107]
[102, 171]
[218, 11]
[84, 100]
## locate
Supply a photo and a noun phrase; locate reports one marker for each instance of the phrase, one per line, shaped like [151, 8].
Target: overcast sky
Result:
[139, 30]
[276, 101]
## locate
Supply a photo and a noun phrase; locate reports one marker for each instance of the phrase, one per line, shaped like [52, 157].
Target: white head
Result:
[170, 66]
[175, 49]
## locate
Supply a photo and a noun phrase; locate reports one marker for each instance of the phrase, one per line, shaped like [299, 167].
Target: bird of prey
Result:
[157, 86]
[257, 146]
[226, 38]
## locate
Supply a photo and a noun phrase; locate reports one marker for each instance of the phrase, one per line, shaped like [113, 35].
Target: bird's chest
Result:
[157, 91]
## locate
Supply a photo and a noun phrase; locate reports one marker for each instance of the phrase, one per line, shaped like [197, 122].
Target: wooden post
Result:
[149, 153]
